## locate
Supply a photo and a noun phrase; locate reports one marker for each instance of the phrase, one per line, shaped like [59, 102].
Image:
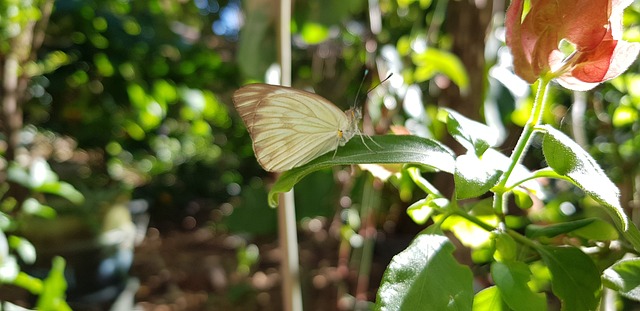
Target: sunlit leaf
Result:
[567, 158]
[62, 189]
[24, 248]
[421, 210]
[103, 64]
[473, 135]
[8, 264]
[623, 116]
[433, 61]
[4, 246]
[32, 284]
[506, 247]
[404, 45]
[54, 288]
[473, 176]
[40, 173]
[426, 276]
[405, 3]
[164, 91]
[137, 95]
[425, 3]
[489, 299]
[134, 130]
[33, 207]
[9, 269]
[314, 33]
[624, 277]
[469, 233]
[522, 198]
[392, 149]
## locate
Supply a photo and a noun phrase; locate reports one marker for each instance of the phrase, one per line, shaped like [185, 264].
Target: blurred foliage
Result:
[141, 86]
[140, 89]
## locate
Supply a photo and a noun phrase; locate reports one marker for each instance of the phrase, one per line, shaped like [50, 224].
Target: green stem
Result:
[523, 240]
[422, 183]
[501, 192]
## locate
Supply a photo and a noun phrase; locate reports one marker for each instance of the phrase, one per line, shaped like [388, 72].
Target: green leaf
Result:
[314, 33]
[624, 116]
[567, 158]
[624, 276]
[433, 61]
[4, 246]
[522, 198]
[54, 288]
[506, 247]
[392, 149]
[470, 134]
[489, 299]
[473, 176]
[469, 233]
[62, 189]
[18, 175]
[574, 277]
[32, 284]
[8, 265]
[25, 249]
[9, 269]
[426, 276]
[511, 278]
[421, 210]
[599, 230]
[34, 207]
[536, 231]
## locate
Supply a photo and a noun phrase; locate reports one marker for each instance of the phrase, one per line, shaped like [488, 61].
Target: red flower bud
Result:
[593, 27]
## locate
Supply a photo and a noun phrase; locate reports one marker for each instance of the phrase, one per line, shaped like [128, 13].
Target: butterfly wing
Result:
[289, 127]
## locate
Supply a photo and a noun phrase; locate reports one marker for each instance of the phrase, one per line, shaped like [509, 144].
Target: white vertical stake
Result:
[287, 229]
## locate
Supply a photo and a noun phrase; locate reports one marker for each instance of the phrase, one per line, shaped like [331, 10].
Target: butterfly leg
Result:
[365, 144]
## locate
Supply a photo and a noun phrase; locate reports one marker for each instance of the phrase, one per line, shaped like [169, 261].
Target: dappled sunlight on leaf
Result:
[425, 276]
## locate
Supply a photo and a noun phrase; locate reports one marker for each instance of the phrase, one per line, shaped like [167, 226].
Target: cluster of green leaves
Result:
[513, 249]
[39, 179]
[140, 84]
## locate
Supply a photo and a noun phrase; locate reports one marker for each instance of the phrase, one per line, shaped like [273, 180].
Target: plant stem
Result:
[422, 183]
[501, 192]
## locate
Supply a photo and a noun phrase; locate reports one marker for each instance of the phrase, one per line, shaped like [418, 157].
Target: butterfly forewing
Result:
[289, 127]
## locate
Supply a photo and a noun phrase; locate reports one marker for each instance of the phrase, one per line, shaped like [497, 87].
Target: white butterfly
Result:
[291, 127]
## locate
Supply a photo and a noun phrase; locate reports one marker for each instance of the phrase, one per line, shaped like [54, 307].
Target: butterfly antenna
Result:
[369, 91]
[364, 77]
[377, 85]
